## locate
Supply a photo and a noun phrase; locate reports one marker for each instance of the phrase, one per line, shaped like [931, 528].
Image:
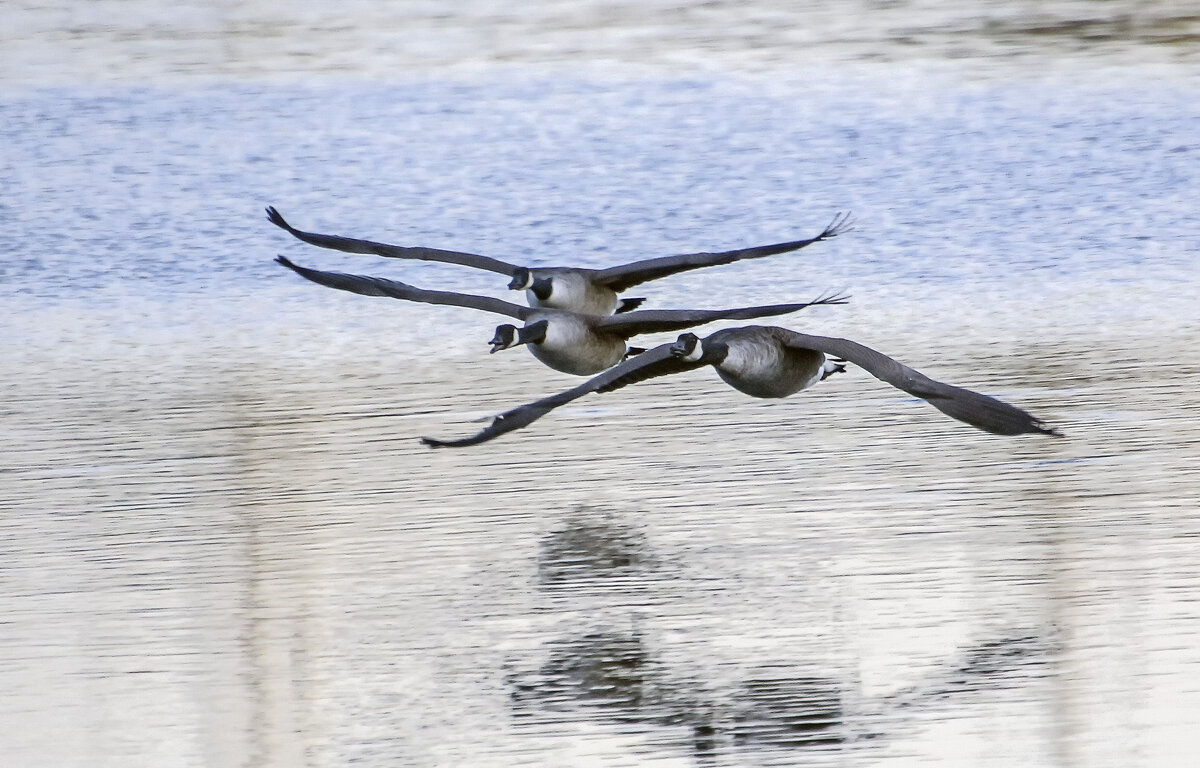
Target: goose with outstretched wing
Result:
[566, 341]
[771, 362]
[590, 291]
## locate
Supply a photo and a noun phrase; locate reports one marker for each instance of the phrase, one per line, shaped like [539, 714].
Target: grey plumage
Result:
[591, 291]
[768, 361]
[571, 342]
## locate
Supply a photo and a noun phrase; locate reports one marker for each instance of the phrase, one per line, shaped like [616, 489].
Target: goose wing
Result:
[350, 245]
[655, 362]
[378, 286]
[979, 410]
[628, 275]
[629, 324]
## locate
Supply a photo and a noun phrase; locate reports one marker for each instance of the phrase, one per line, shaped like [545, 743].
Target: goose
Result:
[590, 291]
[566, 341]
[773, 362]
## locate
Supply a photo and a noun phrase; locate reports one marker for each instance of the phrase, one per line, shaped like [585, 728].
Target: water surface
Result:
[223, 544]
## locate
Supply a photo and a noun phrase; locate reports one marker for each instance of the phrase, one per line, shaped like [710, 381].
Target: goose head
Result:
[522, 278]
[509, 336]
[691, 348]
[506, 336]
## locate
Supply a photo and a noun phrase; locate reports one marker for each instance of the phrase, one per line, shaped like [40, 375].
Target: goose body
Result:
[571, 342]
[574, 290]
[757, 365]
[578, 289]
[773, 362]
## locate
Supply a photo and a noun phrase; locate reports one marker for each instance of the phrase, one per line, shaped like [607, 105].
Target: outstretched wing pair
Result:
[617, 279]
[626, 324]
[980, 411]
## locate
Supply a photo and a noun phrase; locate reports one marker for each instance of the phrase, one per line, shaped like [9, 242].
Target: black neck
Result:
[534, 333]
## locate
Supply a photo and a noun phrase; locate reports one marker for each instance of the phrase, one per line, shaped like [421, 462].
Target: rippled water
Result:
[45, 41]
[223, 544]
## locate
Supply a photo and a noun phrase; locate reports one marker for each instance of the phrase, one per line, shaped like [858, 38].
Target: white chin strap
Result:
[696, 353]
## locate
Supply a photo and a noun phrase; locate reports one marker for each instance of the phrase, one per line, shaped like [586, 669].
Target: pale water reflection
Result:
[263, 566]
[223, 544]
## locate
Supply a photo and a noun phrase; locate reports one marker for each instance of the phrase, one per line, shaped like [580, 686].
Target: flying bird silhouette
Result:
[772, 362]
[566, 341]
[590, 291]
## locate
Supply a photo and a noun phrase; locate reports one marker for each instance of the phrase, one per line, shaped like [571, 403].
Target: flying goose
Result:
[591, 291]
[566, 341]
[767, 361]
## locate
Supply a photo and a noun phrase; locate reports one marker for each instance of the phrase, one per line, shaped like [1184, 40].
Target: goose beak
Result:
[520, 279]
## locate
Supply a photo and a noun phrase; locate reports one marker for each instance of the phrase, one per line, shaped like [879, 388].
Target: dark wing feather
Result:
[655, 320]
[350, 245]
[979, 410]
[628, 275]
[378, 286]
[655, 362]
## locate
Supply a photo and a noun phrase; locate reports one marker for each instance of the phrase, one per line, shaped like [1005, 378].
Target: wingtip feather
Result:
[276, 218]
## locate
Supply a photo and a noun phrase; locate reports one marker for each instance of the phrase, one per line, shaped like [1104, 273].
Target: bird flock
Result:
[577, 322]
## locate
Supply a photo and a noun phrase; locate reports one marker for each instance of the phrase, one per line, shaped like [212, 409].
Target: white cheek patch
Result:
[696, 353]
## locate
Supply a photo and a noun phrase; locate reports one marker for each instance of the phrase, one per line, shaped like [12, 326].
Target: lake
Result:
[224, 544]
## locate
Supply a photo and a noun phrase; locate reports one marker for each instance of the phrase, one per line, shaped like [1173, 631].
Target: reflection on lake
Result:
[224, 545]
[764, 711]
[263, 566]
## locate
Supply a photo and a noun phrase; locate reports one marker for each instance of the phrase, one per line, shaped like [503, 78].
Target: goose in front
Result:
[566, 341]
[590, 291]
[772, 362]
